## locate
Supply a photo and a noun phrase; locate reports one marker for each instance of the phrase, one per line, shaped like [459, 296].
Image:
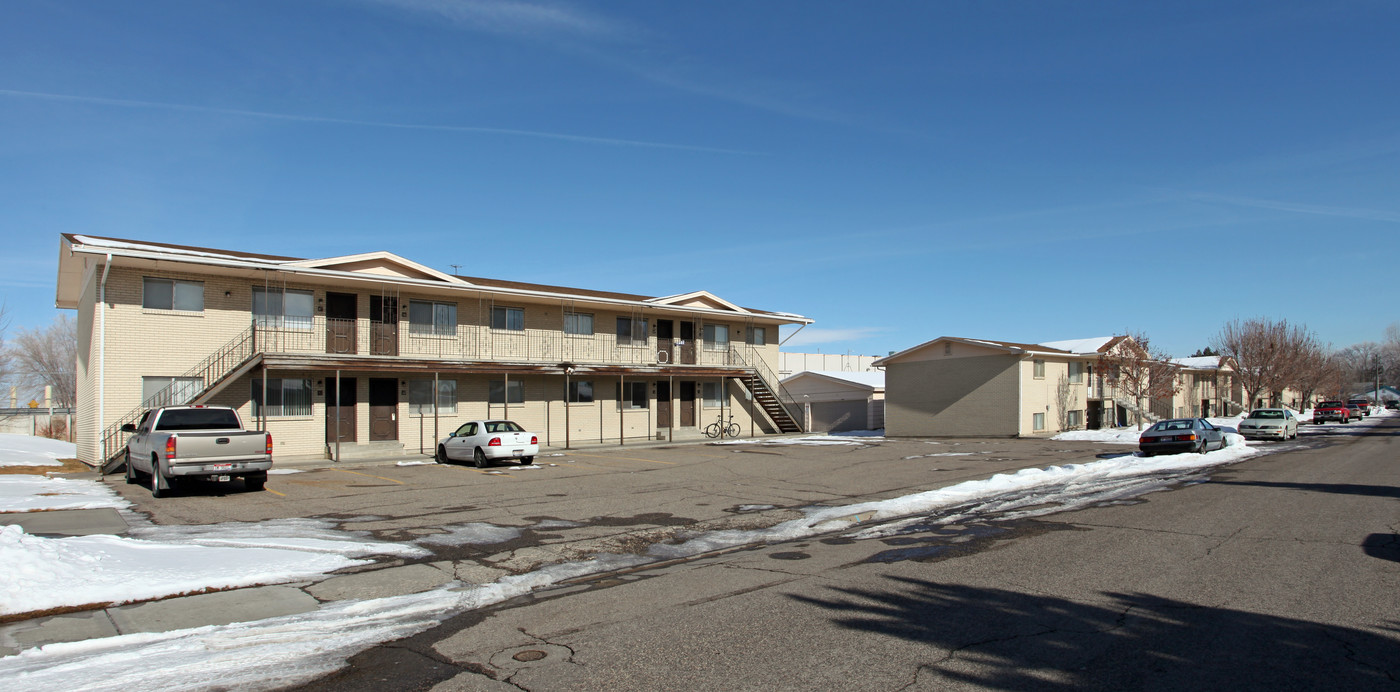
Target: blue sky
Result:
[897, 171]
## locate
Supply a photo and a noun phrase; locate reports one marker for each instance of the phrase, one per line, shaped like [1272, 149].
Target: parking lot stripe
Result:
[274, 492]
[357, 473]
[650, 461]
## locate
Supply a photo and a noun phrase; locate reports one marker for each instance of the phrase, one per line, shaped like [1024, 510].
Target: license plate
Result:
[518, 452]
[219, 467]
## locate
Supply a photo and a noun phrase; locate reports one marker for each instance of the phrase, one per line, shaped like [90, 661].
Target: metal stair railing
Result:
[765, 376]
[210, 371]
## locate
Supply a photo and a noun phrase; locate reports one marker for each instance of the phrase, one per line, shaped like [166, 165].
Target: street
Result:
[1280, 571]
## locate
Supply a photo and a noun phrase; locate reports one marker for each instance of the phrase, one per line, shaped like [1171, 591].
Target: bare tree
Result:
[1064, 398]
[1363, 364]
[1141, 372]
[48, 356]
[4, 352]
[1265, 354]
[1311, 369]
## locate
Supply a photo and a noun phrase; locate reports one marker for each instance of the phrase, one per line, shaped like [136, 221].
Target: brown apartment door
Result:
[345, 423]
[687, 404]
[688, 343]
[384, 325]
[340, 322]
[383, 408]
[665, 334]
[663, 404]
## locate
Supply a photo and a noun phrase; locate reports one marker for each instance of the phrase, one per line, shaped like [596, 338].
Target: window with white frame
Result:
[1037, 421]
[430, 318]
[1074, 419]
[172, 294]
[1038, 369]
[710, 394]
[580, 392]
[282, 308]
[510, 319]
[631, 331]
[578, 324]
[169, 391]
[633, 395]
[758, 336]
[285, 397]
[1076, 371]
[716, 337]
[420, 396]
[501, 392]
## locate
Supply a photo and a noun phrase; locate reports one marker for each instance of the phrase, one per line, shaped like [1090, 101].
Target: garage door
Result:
[839, 416]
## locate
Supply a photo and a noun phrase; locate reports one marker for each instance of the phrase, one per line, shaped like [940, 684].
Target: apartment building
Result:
[953, 386]
[373, 354]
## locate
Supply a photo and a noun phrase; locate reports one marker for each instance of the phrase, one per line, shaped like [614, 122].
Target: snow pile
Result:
[44, 573]
[827, 519]
[25, 450]
[26, 493]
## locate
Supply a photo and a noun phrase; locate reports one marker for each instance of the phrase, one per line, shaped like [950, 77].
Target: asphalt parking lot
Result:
[616, 496]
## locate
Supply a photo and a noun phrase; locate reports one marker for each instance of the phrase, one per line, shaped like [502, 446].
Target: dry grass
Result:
[69, 466]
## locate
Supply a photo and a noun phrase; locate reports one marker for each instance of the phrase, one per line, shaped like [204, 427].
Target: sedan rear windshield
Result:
[500, 426]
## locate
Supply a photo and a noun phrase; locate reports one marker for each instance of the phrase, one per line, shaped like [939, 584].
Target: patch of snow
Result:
[27, 450]
[283, 472]
[28, 493]
[472, 533]
[415, 463]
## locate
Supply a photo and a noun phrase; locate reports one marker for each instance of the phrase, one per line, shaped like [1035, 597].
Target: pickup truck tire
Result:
[160, 487]
[254, 482]
[480, 458]
[130, 471]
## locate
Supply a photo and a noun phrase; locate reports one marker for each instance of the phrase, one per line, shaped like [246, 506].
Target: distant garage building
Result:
[834, 401]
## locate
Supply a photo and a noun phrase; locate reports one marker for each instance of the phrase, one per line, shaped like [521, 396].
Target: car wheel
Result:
[159, 488]
[480, 458]
[441, 456]
[130, 472]
[526, 461]
[255, 482]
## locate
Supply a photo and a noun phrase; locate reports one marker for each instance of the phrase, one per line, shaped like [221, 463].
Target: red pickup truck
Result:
[1331, 410]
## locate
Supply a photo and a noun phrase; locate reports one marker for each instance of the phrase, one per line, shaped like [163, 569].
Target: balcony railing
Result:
[477, 343]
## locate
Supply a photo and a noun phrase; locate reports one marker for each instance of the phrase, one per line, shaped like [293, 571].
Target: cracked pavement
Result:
[1280, 571]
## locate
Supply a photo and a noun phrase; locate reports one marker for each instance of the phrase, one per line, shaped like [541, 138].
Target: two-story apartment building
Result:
[375, 354]
[954, 386]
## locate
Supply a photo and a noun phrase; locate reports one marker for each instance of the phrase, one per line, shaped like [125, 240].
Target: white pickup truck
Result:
[208, 442]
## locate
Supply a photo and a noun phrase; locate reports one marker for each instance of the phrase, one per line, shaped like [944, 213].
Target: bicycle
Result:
[719, 429]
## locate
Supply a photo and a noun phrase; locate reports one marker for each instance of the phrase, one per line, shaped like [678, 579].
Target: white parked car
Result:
[482, 441]
[1276, 423]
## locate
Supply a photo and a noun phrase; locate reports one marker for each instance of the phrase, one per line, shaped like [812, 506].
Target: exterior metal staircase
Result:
[230, 362]
[782, 410]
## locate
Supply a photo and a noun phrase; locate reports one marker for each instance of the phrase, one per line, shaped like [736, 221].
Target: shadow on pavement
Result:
[1385, 546]
[1336, 488]
[1008, 640]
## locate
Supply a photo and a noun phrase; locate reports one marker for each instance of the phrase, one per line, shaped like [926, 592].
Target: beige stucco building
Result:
[954, 386]
[374, 354]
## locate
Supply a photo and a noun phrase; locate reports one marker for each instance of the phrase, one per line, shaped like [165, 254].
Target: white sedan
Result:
[1279, 423]
[484, 440]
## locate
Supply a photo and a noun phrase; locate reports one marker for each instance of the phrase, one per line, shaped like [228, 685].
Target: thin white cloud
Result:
[814, 336]
[1316, 209]
[523, 19]
[584, 139]
[604, 40]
